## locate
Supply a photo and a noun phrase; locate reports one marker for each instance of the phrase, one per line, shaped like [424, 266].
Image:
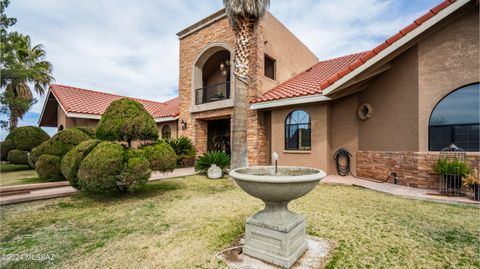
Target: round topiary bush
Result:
[100, 170]
[27, 137]
[18, 156]
[48, 167]
[126, 120]
[87, 130]
[60, 144]
[5, 147]
[136, 172]
[161, 157]
[71, 161]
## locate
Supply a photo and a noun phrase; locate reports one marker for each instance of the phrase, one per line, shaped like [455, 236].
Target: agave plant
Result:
[221, 159]
[183, 147]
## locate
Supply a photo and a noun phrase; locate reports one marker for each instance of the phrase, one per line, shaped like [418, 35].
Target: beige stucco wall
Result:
[447, 59]
[394, 98]
[91, 123]
[63, 120]
[173, 128]
[291, 55]
[318, 156]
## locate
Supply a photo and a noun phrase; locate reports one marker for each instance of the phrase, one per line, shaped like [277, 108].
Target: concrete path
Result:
[32, 192]
[399, 190]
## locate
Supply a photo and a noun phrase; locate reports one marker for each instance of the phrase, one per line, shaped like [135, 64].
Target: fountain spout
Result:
[275, 159]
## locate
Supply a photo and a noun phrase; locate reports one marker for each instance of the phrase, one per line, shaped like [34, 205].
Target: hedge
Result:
[18, 156]
[5, 147]
[72, 160]
[27, 137]
[100, 169]
[48, 167]
[136, 173]
[161, 157]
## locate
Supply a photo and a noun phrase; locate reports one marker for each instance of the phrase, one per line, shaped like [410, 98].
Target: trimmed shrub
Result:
[220, 158]
[99, 171]
[48, 167]
[18, 156]
[126, 120]
[161, 157]
[71, 161]
[5, 147]
[27, 137]
[183, 148]
[136, 173]
[59, 144]
[87, 130]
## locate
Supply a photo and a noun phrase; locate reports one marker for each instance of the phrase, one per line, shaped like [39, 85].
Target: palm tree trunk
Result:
[243, 44]
[13, 119]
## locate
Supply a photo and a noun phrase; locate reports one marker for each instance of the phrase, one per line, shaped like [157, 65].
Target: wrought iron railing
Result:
[212, 93]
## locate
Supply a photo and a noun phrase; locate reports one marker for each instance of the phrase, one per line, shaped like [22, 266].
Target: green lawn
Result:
[183, 222]
[10, 167]
[19, 177]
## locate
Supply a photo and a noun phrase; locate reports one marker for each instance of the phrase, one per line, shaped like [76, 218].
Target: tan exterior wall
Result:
[63, 120]
[394, 98]
[343, 130]
[438, 74]
[173, 128]
[291, 55]
[85, 122]
[318, 156]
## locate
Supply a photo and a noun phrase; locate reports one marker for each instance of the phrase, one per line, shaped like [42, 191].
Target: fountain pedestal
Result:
[276, 235]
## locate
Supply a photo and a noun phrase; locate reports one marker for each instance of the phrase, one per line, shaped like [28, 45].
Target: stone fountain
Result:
[276, 234]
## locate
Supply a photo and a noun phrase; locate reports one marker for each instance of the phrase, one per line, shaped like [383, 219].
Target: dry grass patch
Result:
[19, 177]
[183, 222]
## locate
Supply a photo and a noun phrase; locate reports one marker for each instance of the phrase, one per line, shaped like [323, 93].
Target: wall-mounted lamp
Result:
[183, 124]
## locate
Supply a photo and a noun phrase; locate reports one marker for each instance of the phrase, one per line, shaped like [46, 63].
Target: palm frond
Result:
[238, 10]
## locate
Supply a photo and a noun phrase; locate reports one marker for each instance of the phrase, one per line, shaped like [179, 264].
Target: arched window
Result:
[297, 131]
[166, 132]
[456, 119]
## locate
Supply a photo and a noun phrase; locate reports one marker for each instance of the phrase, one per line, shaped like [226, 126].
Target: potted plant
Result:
[472, 180]
[453, 170]
[217, 96]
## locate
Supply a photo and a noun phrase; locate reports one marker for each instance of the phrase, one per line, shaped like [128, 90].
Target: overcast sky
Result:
[130, 47]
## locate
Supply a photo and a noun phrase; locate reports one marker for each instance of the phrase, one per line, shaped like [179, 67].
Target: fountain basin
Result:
[276, 234]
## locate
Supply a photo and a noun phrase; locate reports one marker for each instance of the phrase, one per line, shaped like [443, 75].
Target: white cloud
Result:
[130, 47]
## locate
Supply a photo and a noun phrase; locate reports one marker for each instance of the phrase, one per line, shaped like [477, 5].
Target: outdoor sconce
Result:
[183, 123]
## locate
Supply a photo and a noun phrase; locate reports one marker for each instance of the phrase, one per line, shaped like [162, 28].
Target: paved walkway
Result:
[399, 190]
[41, 191]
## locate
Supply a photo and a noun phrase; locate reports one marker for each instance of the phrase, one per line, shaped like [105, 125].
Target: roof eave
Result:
[291, 101]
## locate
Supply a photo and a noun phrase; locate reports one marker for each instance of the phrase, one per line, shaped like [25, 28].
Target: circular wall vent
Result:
[365, 111]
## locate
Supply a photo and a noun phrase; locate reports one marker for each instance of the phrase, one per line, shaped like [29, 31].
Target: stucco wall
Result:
[173, 128]
[85, 122]
[63, 120]
[291, 55]
[394, 98]
[318, 155]
[447, 59]
[343, 129]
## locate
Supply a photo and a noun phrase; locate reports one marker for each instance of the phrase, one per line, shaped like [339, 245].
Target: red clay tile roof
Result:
[323, 74]
[76, 100]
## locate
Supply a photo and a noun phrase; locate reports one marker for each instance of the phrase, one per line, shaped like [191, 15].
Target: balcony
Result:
[212, 93]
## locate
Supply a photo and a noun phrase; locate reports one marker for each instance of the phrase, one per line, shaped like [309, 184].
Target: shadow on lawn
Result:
[147, 191]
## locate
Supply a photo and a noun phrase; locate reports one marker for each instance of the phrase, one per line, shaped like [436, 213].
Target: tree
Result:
[243, 16]
[21, 66]
[126, 120]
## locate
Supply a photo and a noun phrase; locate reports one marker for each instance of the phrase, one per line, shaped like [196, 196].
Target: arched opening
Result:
[60, 128]
[456, 119]
[298, 131]
[212, 74]
[166, 132]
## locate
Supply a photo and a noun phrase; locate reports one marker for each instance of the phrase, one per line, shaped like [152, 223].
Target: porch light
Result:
[183, 124]
[224, 66]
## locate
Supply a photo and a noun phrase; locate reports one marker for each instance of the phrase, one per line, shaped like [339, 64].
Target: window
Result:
[269, 64]
[166, 132]
[297, 131]
[456, 119]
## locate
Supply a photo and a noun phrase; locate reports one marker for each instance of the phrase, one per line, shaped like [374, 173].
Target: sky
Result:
[131, 48]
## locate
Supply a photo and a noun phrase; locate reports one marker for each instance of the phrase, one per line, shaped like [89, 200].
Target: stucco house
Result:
[392, 107]
[68, 107]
